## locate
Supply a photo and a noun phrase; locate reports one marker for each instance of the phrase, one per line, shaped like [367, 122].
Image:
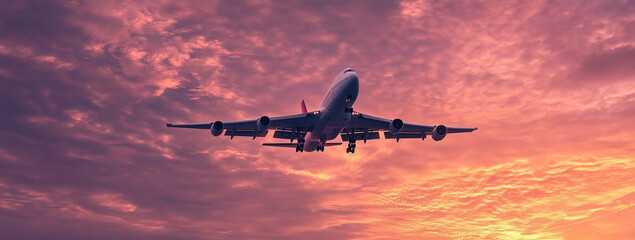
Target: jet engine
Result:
[439, 132]
[263, 123]
[217, 128]
[395, 126]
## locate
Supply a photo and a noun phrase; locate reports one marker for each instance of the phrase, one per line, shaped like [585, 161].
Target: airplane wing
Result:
[366, 127]
[294, 125]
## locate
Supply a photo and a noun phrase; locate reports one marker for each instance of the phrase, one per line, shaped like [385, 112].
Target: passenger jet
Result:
[335, 117]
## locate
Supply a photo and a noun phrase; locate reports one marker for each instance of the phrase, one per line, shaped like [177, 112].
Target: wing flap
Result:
[191, 125]
[287, 145]
[245, 133]
[283, 134]
[389, 135]
[292, 145]
[359, 136]
[289, 134]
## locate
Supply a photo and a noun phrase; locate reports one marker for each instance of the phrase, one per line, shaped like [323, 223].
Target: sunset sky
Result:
[86, 88]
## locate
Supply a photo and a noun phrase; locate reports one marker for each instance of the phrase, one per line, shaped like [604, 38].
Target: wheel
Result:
[353, 150]
[348, 150]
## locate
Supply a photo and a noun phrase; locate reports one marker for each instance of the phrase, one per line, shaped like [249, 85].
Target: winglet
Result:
[303, 107]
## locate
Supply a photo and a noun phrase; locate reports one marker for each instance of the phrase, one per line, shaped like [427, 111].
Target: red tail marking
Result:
[303, 107]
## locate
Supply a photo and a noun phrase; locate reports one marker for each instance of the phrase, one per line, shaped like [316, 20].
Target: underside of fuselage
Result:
[335, 110]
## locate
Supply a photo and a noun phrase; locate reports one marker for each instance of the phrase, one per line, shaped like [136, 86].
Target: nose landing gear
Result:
[351, 146]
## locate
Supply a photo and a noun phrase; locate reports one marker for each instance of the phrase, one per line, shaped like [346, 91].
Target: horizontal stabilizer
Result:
[292, 145]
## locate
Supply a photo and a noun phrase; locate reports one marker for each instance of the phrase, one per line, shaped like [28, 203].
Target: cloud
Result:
[612, 65]
[88, 86]
[459, 203]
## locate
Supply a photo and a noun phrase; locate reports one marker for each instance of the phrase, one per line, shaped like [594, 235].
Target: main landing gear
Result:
[320, 148]
[351, 146]
[300, 147]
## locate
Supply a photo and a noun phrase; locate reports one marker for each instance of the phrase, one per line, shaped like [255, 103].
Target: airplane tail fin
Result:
[303, 107]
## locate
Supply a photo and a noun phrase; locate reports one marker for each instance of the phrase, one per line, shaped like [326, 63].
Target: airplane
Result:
[334, 117]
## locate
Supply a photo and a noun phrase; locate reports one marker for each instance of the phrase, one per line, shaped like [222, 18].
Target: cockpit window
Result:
[349, 70]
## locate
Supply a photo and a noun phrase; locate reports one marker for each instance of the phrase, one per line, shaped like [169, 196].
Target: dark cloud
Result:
[608, 66]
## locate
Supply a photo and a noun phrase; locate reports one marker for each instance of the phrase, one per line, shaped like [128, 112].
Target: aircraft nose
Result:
[353, 78]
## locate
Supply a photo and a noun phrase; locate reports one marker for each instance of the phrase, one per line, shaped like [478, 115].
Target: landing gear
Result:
[300, 146]
[351, 146]
[320, 147]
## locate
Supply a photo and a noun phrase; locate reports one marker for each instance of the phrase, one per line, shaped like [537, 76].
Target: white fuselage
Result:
[333, 115]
